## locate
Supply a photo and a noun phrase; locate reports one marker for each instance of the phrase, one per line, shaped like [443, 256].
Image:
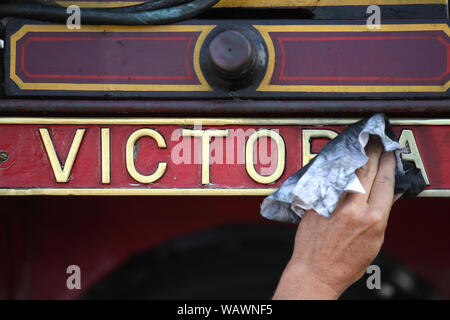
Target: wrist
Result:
[299, 283]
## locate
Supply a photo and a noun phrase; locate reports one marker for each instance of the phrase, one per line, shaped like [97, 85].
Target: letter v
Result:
[61, 172]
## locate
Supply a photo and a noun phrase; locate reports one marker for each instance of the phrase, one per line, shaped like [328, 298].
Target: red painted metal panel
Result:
[28, 165]
[99, 233]
[5, 256]
[41, 236]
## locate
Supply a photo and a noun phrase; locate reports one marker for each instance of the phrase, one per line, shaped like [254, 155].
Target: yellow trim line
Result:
[164, 192]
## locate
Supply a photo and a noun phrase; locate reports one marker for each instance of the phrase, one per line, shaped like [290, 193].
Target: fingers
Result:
[382, 193]
[367, 173]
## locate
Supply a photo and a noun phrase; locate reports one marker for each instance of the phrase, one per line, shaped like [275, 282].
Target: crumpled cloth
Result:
[319, 184]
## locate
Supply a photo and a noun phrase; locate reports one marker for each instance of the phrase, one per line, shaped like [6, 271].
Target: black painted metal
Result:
[349, 12]
[140, 16]
[423, 108]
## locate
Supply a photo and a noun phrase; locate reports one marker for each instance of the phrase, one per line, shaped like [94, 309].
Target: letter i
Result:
[106, 155]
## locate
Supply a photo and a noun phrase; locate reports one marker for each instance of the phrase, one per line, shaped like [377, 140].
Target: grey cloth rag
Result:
[319, 184]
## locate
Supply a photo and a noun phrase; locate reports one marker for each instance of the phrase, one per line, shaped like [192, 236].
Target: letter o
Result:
[249, 165]
[129, 154]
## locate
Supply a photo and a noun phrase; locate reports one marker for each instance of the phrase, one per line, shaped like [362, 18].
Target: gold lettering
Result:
[106, 154]
[249, 161]
[129, 154]
[206, 136]
[407, 139]
[61, 172]
[307, 136]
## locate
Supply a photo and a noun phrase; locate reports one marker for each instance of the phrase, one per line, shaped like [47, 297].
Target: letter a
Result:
[74, 20]
[374, 281]
[373, 21]
[74, 280]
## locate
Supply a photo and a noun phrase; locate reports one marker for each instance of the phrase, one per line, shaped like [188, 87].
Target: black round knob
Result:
[231, 54]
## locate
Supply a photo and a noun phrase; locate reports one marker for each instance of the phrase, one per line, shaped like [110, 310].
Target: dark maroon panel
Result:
[381, 58]
[128, 58]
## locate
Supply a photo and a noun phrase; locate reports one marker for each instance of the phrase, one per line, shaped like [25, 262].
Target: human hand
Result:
[331, 254]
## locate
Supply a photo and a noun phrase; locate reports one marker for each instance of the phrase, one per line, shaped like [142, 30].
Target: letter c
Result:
[129, 154]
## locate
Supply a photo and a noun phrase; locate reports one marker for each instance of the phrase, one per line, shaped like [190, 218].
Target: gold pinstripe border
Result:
[436, 193]
[203, 86]
[190, 121]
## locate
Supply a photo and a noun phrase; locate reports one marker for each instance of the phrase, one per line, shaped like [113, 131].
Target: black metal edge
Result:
[422, 108]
